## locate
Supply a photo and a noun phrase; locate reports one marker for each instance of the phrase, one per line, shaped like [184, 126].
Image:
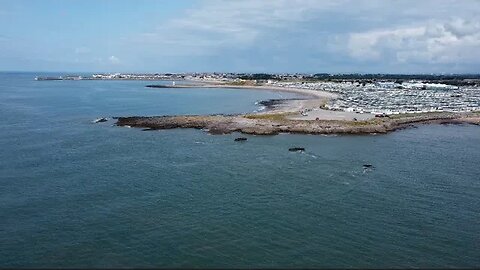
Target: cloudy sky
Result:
[341, 36]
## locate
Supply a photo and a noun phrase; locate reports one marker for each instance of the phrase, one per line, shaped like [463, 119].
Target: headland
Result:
[328, 103]
[306, 115]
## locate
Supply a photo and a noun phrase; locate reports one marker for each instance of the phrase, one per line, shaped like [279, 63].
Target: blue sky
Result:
[342, 36]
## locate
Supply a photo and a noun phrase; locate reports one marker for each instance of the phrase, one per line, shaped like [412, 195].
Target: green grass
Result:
[269, 116]
[406, 115]
[373, 121]
[239, 83]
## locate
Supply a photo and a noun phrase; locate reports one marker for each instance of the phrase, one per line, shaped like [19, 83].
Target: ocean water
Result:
[77, 194]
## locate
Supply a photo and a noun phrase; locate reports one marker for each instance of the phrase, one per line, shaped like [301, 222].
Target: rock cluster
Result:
[224, 124]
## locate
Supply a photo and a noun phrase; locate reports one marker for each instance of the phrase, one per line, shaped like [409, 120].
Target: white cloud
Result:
[454, 41]
[369, 45]
[313, 34]
[114, 60]
[233, 24]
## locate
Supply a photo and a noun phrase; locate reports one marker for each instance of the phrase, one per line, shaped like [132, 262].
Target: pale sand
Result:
[312, 106]
[306, 92]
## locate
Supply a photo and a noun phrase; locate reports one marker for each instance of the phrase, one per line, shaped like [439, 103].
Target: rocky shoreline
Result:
[272, 124]
[290, 116]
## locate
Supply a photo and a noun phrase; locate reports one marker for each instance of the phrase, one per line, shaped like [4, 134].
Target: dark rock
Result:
[271, 103]
[367, 165]
[158, 86]
[240, 139]
[100, 120]
[296, 149]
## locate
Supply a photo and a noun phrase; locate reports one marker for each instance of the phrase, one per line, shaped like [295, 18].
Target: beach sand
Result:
[304, 116]
[312, 104]
[301, 91]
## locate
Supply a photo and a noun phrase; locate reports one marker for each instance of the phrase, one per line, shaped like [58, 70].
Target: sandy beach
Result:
[301, 91]
[311, 106]
[292, 116]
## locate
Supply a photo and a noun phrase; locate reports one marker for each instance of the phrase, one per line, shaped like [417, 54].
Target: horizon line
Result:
[237, 72]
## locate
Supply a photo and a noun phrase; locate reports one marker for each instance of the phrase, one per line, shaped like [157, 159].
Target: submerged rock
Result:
[367, 166]
[296, 149]
[240, 139]
[158, 86]
[100, 120]
[272, 103]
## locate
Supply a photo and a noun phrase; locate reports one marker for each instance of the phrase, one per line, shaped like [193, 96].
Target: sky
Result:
[305, 36]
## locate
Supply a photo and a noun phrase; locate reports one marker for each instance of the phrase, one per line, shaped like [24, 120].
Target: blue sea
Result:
[77, 194]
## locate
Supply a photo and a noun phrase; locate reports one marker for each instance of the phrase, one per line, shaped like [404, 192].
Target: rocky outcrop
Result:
[100, 120]
[296, 149]
[271, 124]
[158, 86]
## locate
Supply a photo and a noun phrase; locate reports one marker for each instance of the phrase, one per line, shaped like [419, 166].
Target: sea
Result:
[77, 194]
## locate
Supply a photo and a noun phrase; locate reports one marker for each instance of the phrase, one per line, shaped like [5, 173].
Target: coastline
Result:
[303, 116]
[312, 102]
[301, 91]
[272, 124]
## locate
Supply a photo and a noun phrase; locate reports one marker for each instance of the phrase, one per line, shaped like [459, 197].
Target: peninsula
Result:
[308, 115]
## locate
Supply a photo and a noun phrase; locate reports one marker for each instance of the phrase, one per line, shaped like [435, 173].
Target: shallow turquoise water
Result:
[83, 195]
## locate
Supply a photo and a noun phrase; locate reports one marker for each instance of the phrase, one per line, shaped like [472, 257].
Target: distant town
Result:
[361, 93]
